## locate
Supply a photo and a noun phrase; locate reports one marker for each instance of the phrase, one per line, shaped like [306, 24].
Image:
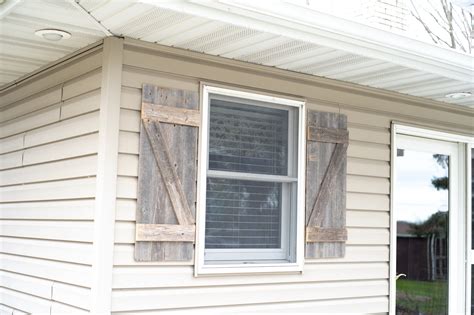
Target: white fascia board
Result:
[307, 25]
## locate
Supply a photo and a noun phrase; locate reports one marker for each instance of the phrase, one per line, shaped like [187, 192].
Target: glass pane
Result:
[472, 233]
[248, 138]
[243, 214]
[472, 196]
[472, 292]
[421, 211]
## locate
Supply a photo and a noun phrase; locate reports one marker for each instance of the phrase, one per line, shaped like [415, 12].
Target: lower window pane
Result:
[243, 214]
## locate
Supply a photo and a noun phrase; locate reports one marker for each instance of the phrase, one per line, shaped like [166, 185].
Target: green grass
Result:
[425, 297]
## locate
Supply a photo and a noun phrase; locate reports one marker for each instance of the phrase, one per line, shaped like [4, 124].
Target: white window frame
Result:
[280, 263]
[459, 301]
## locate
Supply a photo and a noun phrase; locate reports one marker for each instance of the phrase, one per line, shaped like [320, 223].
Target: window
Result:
[251, 185]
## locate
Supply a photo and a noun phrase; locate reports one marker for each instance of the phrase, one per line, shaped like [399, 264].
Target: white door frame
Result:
[458, 302]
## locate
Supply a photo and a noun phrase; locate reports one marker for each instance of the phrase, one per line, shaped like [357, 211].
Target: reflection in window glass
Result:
[472, 233]
[422, 216]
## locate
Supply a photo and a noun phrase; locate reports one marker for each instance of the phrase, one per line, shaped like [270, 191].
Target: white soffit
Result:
[272, 33]
[22, 52]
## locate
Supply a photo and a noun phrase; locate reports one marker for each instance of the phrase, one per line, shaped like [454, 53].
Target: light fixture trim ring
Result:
[43, 33]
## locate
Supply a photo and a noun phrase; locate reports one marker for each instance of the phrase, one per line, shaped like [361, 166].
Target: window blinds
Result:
[249, 139]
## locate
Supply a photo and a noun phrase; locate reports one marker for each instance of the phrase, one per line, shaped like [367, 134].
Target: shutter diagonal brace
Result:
[327, 185]
[170, 178]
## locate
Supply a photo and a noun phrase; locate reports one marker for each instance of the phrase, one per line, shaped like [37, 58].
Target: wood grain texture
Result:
[330, 135]
[326, 203]
[179, 116]
[169, 176]
[153, 203]
[315, 234]
[165, 232]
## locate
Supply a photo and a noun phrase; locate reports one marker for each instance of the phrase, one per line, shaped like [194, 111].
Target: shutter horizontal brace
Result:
[171, 115]
[317, 234]
[165, 233]
[330, 135]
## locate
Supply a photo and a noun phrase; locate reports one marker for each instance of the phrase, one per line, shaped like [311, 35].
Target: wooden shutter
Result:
[165, 229]
[326, 159]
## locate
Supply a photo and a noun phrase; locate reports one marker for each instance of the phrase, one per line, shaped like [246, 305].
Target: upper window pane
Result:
[248, 138]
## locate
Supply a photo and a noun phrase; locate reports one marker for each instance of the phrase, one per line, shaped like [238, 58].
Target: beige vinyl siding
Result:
[356, 283]
[48, 163]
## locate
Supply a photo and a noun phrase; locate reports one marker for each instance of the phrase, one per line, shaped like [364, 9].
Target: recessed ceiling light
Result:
[53, 34]
[458, 95]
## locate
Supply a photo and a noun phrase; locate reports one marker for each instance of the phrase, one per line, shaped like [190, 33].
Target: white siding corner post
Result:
[106, 191]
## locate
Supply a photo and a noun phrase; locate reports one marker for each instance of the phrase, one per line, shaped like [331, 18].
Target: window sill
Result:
[251, 268]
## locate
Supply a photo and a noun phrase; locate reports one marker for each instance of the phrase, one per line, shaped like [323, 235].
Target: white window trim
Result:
[459, 302]
[230, 268]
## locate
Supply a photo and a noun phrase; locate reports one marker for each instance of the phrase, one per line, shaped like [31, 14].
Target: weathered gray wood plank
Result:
[172, 115]
[154, 205]
[330, 135]
[168, 173]
[316, 234]
[165, 232]
[318, 159]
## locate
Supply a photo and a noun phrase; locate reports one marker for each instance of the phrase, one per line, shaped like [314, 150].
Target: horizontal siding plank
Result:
[357, 166]
[31, 104]
[74, 147]
[72, 168]
[64, 129]
[31, 121]
[25, 302]
[49, 230]
[12, 143]
[79, 275]
[131, 98]
[82, 84]
[55, 77]
[127, 165]
[133, 77]
[360, 133]
[367, 150]
[360, 201]
[71, 295]
[11, 160]
[183, 276]
[126, 300]
[364, 236]
[54, 210]
[364, 184]
[123, 256]
[81, 104]
[127, 187]
[30, 285]
[337, 306]
[60, 309]
[79, 253]
[129, 120]
[370, 219]
[128, 142]
[59, 190]
[125, 209]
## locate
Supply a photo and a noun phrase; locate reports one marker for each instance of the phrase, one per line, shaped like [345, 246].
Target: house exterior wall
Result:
[49, 147]
[356, 283]
[48, 157]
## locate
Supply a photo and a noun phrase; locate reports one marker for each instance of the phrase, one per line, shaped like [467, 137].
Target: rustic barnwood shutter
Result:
[165, 229]
[326, 160]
